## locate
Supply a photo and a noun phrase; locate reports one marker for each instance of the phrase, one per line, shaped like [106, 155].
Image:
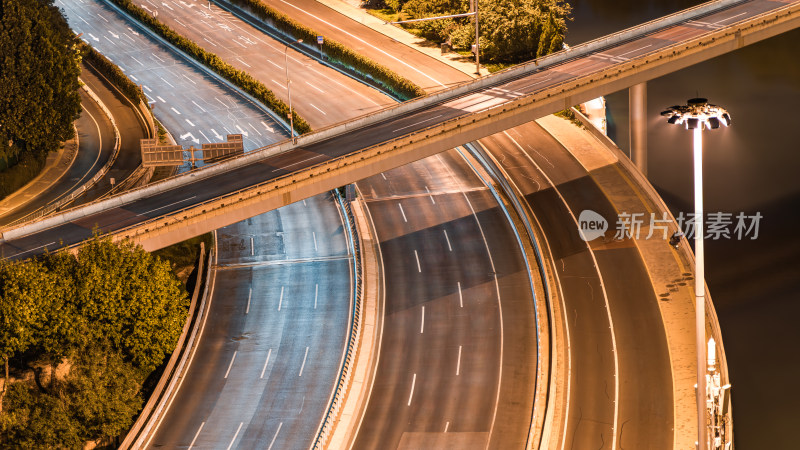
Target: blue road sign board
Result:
[319, 40]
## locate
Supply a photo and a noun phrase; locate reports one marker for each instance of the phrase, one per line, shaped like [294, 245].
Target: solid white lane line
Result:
[298, 162]
[450, 247]
[315, 87]
[269, 353]
[167, 206]
[446, 426]
[417, 123]
[316, 294]
[249, 295]
[634, 50]
[458, 364]
[422, 325]
[304, 363]
[460, 297]
[312, 105]
[196, 434]
[729, 18]
[402, 212]
[411, 394]
[272, 442]
[430, 195]
[314, 235]
[231, 364]
[201, 108]
[419, 268]
[280, 302]
[252, 247]
[237, 430]
[37, 248]
[254, 128]
[204, 136]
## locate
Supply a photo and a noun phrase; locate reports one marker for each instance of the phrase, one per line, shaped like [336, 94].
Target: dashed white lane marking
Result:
[460, 297]
[190, 80]
[252, 247]
[156, 57]
[166, 206]
[227, 372]
[269, 353]
[315, 87]
[209, 41]
[402, 212]
[446, 238]
[168, 83]
[270, 61]
[222, 103]
[180, 23]
[240, 60]
[458, 364]
[189, 122]
[411, 394]
[249, 295]
[196, 434]
[384, 176]
[176, 111]
[147, 88]
[634, 50]
[417, 123]
[204, 136]
[101, 16]
[237, 430]
[254, 128]
[422, 324]
[316, 294]
[430, 195]
[278, 84]
[314, 235]
[275, 437]
[304, 363]
[312, 105]
[162, 100]
[304, 202]
[446, 426]
[201, 108]
[280, 302]
[416, 255]
[131, 76]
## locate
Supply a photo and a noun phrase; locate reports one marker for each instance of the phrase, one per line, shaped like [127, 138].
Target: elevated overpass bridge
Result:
[206, 199]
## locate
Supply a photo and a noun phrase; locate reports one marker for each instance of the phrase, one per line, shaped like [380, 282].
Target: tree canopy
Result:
[39, 68]
[113, 311]
[511, 31]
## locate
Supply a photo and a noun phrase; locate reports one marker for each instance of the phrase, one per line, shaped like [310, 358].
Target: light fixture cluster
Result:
[698, 114]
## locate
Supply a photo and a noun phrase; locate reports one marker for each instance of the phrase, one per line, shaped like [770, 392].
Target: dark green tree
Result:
[39, 68]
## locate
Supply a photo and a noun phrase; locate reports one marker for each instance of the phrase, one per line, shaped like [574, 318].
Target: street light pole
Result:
[289, 86]
[696, 116]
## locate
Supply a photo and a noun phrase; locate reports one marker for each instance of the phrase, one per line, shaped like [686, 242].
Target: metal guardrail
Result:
[345, 373]
[341, 161]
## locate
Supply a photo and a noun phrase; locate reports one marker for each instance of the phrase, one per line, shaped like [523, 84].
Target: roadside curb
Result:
[345, 426]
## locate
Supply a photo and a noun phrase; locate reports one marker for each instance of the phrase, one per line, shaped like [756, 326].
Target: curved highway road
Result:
[270, 352]
[458, 351]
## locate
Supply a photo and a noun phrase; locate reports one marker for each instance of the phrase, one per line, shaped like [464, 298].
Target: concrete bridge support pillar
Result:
[637, 118]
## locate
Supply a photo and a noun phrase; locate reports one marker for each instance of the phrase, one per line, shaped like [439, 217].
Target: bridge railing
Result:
[363, 121]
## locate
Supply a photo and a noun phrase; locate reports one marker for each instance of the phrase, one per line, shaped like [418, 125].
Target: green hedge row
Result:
[17, 173]
[114, 74]
[336, 52]
[241, 79]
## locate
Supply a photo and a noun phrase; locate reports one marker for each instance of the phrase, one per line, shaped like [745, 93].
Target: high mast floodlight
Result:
[699, 115]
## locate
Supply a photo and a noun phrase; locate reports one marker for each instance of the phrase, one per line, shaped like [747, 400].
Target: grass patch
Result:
[569, 115]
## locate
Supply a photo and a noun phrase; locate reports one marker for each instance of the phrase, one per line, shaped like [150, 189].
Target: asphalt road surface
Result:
[358, 139]
[272, 346]
[321, 95]
[95, 147]
[458, 351]
[620, 380]
[421, 69]
[206, 115]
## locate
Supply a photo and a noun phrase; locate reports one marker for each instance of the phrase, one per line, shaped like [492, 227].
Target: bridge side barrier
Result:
[353, 337]
[267, 152]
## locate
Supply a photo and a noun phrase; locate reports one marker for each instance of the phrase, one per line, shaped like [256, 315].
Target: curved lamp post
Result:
[698, 115]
